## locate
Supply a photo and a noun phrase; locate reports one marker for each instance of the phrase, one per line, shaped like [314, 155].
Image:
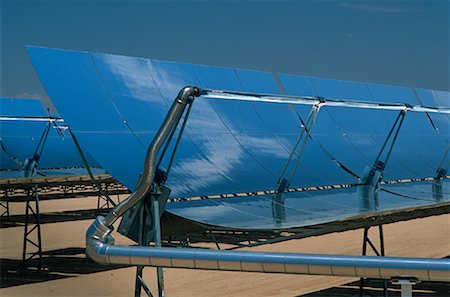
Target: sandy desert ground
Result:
[70, 274]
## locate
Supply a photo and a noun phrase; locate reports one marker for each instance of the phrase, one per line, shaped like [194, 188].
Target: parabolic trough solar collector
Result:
[115, 105]
[23, 124]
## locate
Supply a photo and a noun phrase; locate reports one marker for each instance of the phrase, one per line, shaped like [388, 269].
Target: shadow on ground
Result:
[52, 217]
[58, 264]
[374, 288]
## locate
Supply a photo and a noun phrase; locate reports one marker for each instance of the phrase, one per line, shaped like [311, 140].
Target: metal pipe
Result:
[312, 100]
[289, 263]
[145, 183]
[31, 119]
[100, 243]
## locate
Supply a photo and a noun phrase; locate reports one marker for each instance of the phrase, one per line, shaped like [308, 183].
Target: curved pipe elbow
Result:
[97, 252]
[98, 237]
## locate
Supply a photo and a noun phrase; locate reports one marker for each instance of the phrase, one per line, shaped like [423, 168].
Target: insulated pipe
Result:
[100, 243]
[145, 183]
[245, 261]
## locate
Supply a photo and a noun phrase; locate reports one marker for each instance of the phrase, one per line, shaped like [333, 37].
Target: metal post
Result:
[406, 290]
[381, 234]
[364, 252]
[38, 227]
[25, 234]
[405, 285]
[158, 241]
[140, 283]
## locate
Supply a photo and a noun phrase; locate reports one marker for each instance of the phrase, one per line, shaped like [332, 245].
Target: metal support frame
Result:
[30, 169]
[4, 205]
[154, 213]
[100, 241]
[369, 191]
[380, 253]
[32, 227]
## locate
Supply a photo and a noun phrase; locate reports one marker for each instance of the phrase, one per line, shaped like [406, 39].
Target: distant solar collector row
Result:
[23, 122]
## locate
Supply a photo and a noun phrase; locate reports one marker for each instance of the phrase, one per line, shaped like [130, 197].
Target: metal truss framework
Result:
[380, 252]
[32, 226]
[32, 190]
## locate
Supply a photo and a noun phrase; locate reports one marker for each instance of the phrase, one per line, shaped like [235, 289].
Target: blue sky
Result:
[394, 42]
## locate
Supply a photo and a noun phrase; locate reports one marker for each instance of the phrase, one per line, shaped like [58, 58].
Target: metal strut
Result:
[368, 191]
[441, 173]
[283, 182]
[104, 200]
[30, 165]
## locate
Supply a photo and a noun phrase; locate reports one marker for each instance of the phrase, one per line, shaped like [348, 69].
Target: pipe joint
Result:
[187, 94]
[101, 231]
[98, 237]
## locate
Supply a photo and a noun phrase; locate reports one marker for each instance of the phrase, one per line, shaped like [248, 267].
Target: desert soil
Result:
[426, 237]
